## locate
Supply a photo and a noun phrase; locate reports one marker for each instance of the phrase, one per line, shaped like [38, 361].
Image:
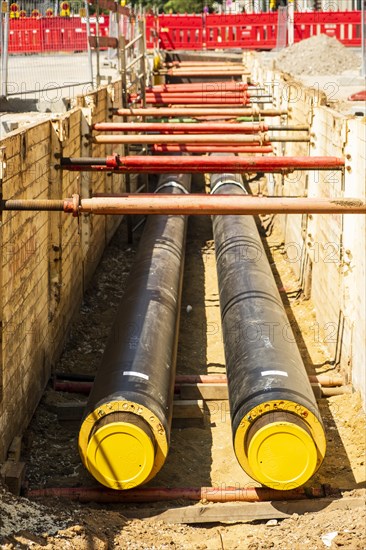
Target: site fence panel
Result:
[248, 31]
[53, 34]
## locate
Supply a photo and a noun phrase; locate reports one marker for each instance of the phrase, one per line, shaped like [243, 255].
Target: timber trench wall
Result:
[47, 258]
[327, 252]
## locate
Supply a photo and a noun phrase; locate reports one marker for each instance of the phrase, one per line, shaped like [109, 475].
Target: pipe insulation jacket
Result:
[278, 434]
[124, 437]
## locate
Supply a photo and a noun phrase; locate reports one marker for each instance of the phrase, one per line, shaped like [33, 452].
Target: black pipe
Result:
[277, 429]
[124, 437]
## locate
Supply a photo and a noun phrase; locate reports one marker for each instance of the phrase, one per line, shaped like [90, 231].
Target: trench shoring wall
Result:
[47, 258]
[327, 252]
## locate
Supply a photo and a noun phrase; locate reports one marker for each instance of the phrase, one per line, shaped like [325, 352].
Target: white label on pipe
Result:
[133, 373]
[274, 373]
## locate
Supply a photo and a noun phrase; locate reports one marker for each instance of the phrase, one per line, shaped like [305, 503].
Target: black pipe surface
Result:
[277, 428]
[124, 437]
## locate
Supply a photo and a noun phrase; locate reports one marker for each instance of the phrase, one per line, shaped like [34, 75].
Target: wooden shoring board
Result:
[234, 512]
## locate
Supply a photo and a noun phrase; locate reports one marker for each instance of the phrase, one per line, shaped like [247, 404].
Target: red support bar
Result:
[239, 94]
[203, 87]
[230, 139]
[156, 494]
[204, 72]
[207, 164]
[200, 111]
[192, 99]
[181, 127]
[210, 149]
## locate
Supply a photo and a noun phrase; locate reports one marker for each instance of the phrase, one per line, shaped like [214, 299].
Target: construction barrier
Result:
[185, 32]
[248, 31]
[53, 34]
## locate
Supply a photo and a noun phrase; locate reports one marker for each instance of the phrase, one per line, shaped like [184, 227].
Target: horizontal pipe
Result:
[160, 494]
[192, 127]
[208, 164]
[200, 100]
[201, 127]
[326, 380]
[210, 205]
[199, 111]
[192, 63]
[178, 138]
[227, 86]
[239, 94]
[211, 149]
[84, 387]
[198, 138]
[191, 205]
[203, 72]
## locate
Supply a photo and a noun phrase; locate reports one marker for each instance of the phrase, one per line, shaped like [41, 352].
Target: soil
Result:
[318, 55]
[199, 455]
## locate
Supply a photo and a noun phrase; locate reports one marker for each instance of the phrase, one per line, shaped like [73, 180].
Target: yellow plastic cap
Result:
[120, 455]
[282, 454]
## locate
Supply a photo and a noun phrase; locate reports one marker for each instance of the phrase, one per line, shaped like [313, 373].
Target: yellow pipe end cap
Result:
[120, 455]
[282, 455]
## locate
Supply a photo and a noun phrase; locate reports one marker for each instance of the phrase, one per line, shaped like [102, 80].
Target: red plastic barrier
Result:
[344, 26]
[186, 32]
[248, 31]
[242, 31]
[52, 34]
[183, 32]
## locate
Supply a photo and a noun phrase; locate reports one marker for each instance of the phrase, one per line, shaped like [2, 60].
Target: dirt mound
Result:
[318, 55]
[20, 514]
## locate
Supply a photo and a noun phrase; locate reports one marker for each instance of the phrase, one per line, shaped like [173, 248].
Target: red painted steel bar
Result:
[156, 494]
[181, 127]
[180, 138]
[228, 86]
[196, 73]
[223, 139]
[207, 164]
[188, 95]
[200, 111]
[210, 149]
[202, 99]
[84, 387]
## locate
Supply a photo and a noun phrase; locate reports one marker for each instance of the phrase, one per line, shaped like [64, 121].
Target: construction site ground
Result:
[200, 455]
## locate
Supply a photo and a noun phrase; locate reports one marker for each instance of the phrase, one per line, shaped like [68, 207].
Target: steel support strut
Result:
[204, 164]
[191, 205]
[199, 111]
[194, 128]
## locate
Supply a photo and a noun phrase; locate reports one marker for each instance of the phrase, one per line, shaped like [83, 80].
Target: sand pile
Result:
[318, 55]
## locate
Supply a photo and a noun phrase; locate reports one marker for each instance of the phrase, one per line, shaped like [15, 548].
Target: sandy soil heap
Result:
[318, 55]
